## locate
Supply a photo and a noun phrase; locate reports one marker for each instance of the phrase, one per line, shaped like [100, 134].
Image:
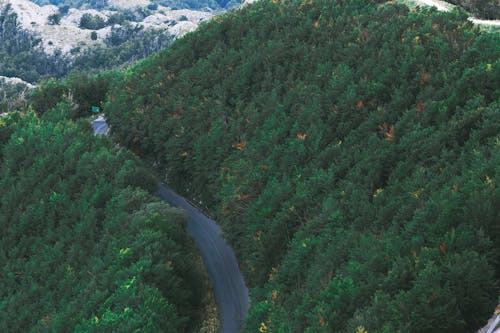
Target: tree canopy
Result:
[85, 247]
[350, 149]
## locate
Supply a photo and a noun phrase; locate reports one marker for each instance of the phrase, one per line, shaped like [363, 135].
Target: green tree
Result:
[54, 19]
[85, 246]
[349, 150]
[92, 22]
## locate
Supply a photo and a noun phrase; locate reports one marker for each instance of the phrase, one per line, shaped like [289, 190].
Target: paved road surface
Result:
[229, 287]
[445, 6]
[230, 290]
[100, 126]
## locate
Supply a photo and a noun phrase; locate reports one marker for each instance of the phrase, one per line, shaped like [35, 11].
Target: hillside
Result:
[125, 4]
[49, 41]
[67, 35]
[350, 150]
[85, 247]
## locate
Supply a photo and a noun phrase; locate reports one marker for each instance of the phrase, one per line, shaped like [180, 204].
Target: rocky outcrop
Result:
[4, 80]
[67, 35]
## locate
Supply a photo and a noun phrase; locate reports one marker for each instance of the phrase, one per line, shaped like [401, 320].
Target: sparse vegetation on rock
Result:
[54, 19]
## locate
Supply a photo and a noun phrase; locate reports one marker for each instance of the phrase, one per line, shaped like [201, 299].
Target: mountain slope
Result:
[68, 34]
[175, 4]
[84, 246]
[350, 150]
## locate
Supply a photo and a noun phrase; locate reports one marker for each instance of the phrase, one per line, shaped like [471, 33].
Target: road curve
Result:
[231, 293]
[230, 290]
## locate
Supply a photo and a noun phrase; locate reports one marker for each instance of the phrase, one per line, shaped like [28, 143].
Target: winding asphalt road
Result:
[229, 287]
[231, 293]
[445, 6]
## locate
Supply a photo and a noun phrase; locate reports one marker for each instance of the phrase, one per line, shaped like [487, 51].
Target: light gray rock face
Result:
[4, 80]
[68, 35]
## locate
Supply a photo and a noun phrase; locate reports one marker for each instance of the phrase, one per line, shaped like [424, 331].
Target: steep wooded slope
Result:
[351, 151]
[84, 246]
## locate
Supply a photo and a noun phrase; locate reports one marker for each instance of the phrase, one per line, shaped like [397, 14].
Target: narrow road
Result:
[231, 293]
[100, 126]
[446, 6]
[230, 290]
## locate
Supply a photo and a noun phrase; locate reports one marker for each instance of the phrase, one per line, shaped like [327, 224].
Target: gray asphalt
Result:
[231, 293]
[100, 126]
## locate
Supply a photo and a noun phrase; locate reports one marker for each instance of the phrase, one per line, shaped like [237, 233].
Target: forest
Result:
[85, 247]
[349, 148]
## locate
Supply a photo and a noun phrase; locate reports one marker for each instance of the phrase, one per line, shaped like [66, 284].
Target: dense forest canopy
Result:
[85, 247]
[351, 150]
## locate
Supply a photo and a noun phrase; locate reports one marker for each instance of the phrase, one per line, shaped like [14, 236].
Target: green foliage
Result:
[47, 95]
[80, 90]
[349, 148]
[122, 16]
[92, 22]
[84, 245]
[54, 19]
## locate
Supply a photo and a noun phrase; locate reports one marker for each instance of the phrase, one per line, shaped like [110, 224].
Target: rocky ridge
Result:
[14, 81]
[67, 35]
